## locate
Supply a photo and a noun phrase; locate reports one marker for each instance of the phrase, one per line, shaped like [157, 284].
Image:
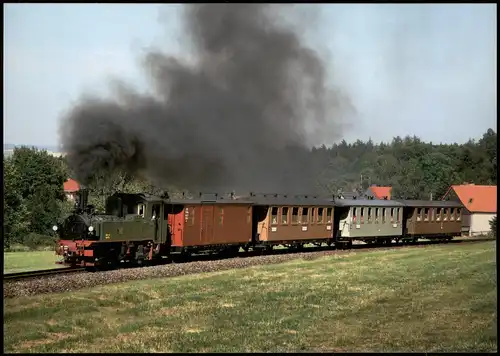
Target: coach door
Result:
[156, 221]
[207, 224]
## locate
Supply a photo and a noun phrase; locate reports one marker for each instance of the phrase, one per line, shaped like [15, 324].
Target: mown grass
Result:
[29, 261]
[438, 298]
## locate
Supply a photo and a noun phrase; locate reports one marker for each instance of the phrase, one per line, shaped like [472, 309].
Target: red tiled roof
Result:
[477, 198]
[381, 192]
[71, 186]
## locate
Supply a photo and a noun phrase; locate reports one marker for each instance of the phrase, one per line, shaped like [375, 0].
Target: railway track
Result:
[200, 258]
[356, 247]
[40, 273]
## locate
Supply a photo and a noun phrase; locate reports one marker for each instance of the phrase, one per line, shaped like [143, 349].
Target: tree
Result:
[33, 183]
[16, 221]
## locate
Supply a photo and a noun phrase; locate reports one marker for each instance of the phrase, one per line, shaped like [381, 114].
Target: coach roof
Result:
[431, 203]
[288, 200]
[367, 202]
[206, 201]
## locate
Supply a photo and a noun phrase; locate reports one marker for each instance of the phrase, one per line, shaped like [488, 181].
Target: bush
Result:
[23, 248]
[493, 226]
[16, 248]
[36, 241]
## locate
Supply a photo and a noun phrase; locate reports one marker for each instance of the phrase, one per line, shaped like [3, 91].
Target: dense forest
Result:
[414, 168]
[34, 198]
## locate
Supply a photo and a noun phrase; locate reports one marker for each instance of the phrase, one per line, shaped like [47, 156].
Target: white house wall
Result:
[480, 223]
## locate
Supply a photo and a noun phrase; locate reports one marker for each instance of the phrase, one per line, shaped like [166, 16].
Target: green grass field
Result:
[29, 261]
[438, 298]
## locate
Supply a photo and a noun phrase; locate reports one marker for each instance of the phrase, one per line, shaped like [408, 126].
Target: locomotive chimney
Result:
[83, 198]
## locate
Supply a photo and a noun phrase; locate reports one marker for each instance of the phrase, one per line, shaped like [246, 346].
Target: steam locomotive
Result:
[142, 228]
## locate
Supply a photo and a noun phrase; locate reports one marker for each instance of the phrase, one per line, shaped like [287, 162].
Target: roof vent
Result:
[470, 201]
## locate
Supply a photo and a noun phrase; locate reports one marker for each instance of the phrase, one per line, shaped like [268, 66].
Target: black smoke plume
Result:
[242, 117]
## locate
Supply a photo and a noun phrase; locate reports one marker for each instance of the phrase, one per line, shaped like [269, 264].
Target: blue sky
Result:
[425, 70]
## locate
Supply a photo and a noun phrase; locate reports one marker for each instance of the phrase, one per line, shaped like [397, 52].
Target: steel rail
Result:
[41, 273]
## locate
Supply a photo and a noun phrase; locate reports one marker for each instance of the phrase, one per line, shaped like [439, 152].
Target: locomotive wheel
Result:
[231, 251]
[140, 261]
[185, 255]
[298, 246]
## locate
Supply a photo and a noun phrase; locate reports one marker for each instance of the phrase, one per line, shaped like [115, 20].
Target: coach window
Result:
[396, 212]
[459, 214]
[431, 214]
[392, 214]
[313, 215]
[383, 215]
[438, 214]
[329, 214]
[300, 216]
[376, 215]
[426, 214]
[361, 215]
[320, 216]
[418, 212]
[274, 215]
[445, 214]
[305, 215]
[295, 215]
[284, 216]
[452, 214]
[369, 215]
[140, 210]
[156, 211]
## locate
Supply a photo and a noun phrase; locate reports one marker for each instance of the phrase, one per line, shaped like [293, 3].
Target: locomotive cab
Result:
[124, 205]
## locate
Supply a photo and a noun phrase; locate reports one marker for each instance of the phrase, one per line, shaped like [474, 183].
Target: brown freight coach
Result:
[209, 223]
[432, 219]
